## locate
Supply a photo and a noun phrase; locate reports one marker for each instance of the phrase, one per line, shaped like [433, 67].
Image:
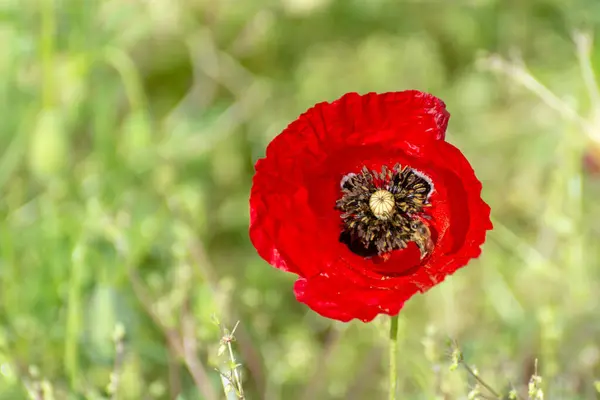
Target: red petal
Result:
[328, 295]
[374, 119]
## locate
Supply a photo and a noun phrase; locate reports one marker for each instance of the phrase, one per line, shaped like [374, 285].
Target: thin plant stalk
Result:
[393, 357]
[480, 381]
[236, 372]
[233, 379]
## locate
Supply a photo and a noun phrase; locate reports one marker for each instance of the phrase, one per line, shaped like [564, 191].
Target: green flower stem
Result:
[393, 357]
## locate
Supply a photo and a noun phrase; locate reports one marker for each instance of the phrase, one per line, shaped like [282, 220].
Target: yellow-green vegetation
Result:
[128, 133]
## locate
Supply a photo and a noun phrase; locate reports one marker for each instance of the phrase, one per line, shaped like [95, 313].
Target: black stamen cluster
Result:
[367, 235]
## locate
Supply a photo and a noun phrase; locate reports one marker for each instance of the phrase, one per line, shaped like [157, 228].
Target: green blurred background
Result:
[128, 134]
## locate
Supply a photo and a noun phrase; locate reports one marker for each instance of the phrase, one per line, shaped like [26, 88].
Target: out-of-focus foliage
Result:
[128, 133]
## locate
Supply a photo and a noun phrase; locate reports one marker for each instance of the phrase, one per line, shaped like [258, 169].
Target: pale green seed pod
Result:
[48, 151]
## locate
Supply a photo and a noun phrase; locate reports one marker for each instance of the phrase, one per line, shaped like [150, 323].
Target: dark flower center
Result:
[384, 211]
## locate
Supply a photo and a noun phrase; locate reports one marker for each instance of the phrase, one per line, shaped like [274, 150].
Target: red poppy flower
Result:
[366, 202]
